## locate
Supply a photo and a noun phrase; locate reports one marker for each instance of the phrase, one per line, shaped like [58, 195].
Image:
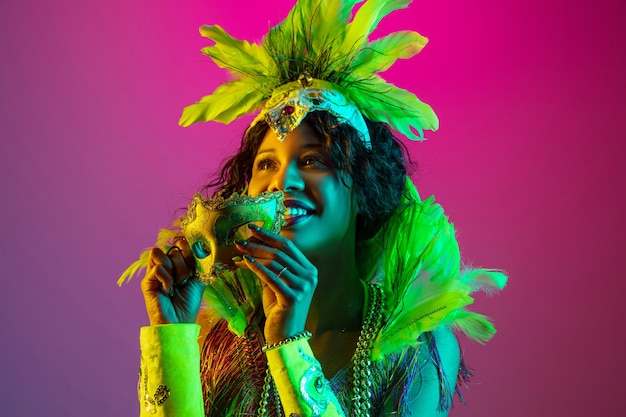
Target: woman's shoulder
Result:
[444, 355]
[446, 342]
[432, 395]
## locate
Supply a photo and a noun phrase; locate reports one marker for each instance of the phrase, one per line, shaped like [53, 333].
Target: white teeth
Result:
[295, 212]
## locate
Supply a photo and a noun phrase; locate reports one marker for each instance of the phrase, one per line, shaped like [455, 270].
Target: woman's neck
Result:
[337, 304]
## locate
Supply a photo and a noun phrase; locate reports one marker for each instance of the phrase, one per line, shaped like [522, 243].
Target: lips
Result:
[297, 211]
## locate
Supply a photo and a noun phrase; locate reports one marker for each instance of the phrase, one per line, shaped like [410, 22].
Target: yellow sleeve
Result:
[301, 385]
[169, 380]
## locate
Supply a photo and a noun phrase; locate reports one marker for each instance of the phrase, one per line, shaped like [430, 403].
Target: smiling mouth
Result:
[295, 215]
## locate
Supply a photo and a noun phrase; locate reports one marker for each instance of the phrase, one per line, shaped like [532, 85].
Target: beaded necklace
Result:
[361, 369]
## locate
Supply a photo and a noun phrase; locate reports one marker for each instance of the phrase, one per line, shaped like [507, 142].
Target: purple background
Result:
[529, 164]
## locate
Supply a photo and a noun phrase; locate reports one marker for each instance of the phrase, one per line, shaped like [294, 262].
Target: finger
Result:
[279, 242]
[275, 266]
[156, 257]
[159, 260]
[240, 262]
[187, 254]
[300, 280]
[165, 278]
[158, 280]
[269, 278]
[297, 276]
[180, 271]
[280, 271]
[262, 251]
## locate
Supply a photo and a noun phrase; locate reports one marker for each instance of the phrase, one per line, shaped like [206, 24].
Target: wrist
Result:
[274, 334]
[301, 384]
[157, 319]
[303, 335]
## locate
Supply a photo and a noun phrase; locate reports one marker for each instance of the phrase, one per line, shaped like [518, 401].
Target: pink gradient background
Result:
[529, 164]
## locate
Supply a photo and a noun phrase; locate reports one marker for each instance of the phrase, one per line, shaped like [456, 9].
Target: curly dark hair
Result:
[378, 174]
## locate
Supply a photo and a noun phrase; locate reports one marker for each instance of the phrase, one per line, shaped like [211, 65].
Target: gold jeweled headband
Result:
[290, 103]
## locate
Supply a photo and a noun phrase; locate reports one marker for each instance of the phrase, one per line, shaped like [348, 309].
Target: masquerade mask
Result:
[211, 227]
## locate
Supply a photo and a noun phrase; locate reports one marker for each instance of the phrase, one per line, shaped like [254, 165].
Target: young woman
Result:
[357, 294]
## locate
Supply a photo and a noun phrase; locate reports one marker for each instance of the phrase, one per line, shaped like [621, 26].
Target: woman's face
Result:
[321, 211]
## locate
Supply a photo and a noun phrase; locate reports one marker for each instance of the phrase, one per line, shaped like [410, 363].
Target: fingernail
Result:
[241, 242]
[248, 258]
[236, 259]
[254, 227]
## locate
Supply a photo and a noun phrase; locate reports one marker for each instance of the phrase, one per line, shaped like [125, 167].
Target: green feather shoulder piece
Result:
[423, 283]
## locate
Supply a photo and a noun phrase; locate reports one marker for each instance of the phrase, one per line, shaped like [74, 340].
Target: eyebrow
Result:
[303, 147]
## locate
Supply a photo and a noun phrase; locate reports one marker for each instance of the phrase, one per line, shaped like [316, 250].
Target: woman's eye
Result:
[200, 250]
[264, 164]
[314, 160]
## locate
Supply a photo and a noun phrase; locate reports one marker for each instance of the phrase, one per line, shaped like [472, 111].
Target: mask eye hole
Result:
[200, 250]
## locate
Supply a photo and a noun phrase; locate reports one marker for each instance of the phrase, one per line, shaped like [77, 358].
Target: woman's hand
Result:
[288, 278]
[170, 289]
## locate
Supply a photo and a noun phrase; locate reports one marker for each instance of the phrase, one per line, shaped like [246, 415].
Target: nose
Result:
[287, 178]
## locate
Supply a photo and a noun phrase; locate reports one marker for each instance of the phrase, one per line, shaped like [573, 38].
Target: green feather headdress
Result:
[319, 47]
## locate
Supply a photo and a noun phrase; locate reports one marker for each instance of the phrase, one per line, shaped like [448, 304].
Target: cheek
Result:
[339, 197]
[256, 186]
[350, 199]
[351, 196]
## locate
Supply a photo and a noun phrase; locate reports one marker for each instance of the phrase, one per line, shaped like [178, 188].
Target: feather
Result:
[228, 50]
[135, 268]
[328, 30]
[487, 280]
[165, 237]
[235, 297]
[232, 370]
[383, 53]
[475, 326]
[318, 40]
[219, 299]
[402, 110]
[423, 283]
[366, 19]
[422, 310]
[426, 246]
[228, 102]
